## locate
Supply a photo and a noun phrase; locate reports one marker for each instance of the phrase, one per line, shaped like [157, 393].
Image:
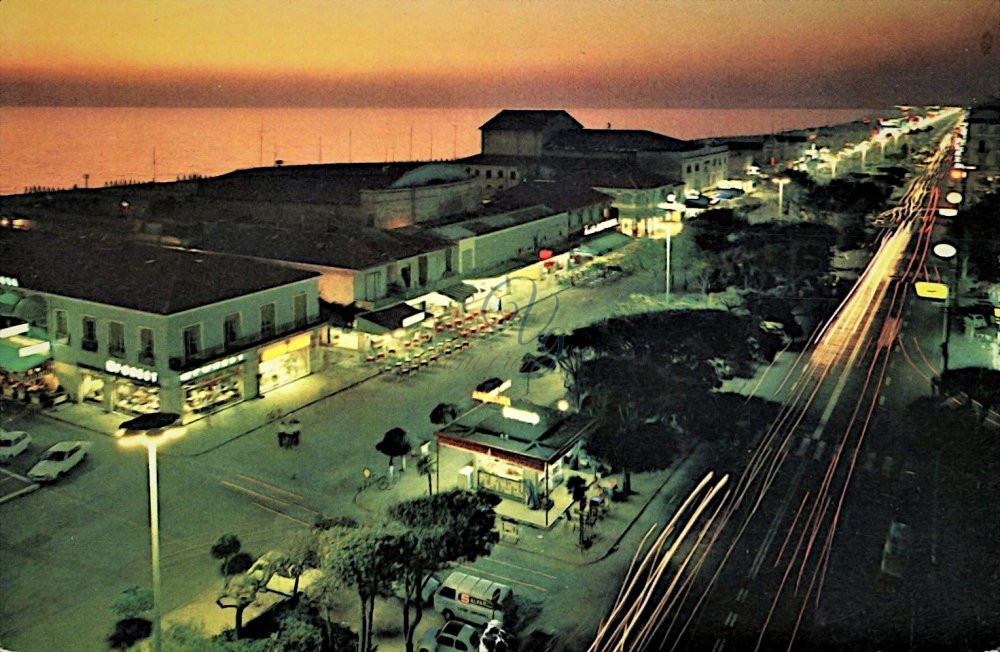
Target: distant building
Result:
[534, 134]
[141, 329]
[982, 147]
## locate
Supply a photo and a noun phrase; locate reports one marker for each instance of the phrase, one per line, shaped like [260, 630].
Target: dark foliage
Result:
[129, 631]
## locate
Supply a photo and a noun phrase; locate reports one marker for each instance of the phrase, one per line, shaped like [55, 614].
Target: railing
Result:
[281, 331]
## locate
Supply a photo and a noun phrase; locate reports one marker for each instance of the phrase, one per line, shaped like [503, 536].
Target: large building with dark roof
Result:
[534, 134]
[982, 146]
[138, 329]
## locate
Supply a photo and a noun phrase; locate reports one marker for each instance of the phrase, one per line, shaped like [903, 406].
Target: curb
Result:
[19, 492]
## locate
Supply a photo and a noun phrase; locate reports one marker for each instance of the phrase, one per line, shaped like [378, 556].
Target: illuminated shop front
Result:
[284, 361]
[134, 390]
[213, 386]
[517, 451]
[25, 361]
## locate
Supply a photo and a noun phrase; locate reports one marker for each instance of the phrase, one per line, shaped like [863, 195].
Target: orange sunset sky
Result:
[574, 53]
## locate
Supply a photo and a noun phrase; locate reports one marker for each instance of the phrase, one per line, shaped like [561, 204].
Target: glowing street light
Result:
[947, 251]
[151, 431]
[954, 197]
[781, 181]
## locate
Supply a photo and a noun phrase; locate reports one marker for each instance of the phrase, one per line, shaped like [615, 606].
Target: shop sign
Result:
[413, 319]
[16, 329]
[524, 416]
[128, 371]
[487, 397]
[279, 349]
[209, 368]
[29, 346]
[9, 281]
[591, 229]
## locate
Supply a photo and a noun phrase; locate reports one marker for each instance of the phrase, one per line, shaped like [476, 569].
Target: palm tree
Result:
[426, 466]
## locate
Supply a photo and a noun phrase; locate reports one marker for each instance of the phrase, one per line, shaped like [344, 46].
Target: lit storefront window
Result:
[284, 361]
[135, 397]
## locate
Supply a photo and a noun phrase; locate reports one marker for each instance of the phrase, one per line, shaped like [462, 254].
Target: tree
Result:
[394, 444]
[239, 593]
[440, 529]
[130, 606]
[369, 560]
[226, 549]
[577, 487]
[426, 466]
[443, 413]
[184, 637]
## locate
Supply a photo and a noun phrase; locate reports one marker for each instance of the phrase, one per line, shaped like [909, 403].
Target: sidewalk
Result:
[343, 371]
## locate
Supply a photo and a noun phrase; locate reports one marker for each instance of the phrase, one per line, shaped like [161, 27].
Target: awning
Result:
[9, 299]
[388, 319]
[24, 351]
[461, 292]
[605, 243]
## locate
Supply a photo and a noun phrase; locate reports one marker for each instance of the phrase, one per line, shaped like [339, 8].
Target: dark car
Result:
[489, 385]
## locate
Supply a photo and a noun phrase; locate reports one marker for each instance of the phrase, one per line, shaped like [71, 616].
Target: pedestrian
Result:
[392, 473]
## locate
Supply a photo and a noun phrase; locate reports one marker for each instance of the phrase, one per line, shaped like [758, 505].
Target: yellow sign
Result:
[487, 397]
[928, 290]
[279, 349]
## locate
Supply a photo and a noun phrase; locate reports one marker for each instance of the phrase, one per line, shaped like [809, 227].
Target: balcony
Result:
[281, 331]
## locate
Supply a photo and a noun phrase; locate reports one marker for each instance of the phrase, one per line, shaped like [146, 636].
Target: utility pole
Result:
[260, 152]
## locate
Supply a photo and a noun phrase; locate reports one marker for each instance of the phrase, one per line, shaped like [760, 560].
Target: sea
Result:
[63, 147]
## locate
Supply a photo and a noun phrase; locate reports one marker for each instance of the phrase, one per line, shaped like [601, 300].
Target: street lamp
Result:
[151, 431]
[781, 181]
[946, 251]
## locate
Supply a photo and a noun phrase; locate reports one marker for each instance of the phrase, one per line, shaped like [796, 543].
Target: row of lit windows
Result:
[714, 162]
[231, 332]
[489, 173]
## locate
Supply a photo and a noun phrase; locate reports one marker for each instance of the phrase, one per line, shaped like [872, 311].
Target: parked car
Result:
[13, 443]
[268, 573]
[58, 460]
[453, 635]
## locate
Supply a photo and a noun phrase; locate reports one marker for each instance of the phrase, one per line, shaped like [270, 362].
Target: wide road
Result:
[68, 549]
[760, 579]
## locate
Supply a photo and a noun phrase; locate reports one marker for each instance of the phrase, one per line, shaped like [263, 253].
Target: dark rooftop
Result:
[339, 183]
[601, 172]
[113, 271]
[345, 248]
[617, 140]
[525, 120]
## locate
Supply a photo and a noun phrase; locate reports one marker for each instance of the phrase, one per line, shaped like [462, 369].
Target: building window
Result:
[299, 309]
[513, 174]
[477, 172]
[116, 339]
[147, 352]
[689, 169]
[405, 274]
[489, 174]
[62, 327]
[982, 147]
[697, 167]
[192, 340]
[267, 320]
[447, 261]
[499, 174]
[89, 341]
[231, 330]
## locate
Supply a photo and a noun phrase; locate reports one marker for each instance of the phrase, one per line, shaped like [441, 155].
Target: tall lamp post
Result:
[781, 181]
[947, 251]
[668, 206]
[151, 431]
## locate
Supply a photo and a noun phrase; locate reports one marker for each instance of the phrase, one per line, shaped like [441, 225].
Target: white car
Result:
[58, 460]
[13, 443]
[453, 635]
[267, 571]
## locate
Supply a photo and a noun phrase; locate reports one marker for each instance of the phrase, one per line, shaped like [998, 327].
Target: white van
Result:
[472, 599]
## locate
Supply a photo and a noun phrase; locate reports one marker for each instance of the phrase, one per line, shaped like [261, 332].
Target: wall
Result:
[494, 248]
[512, 143]
[392, 208]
